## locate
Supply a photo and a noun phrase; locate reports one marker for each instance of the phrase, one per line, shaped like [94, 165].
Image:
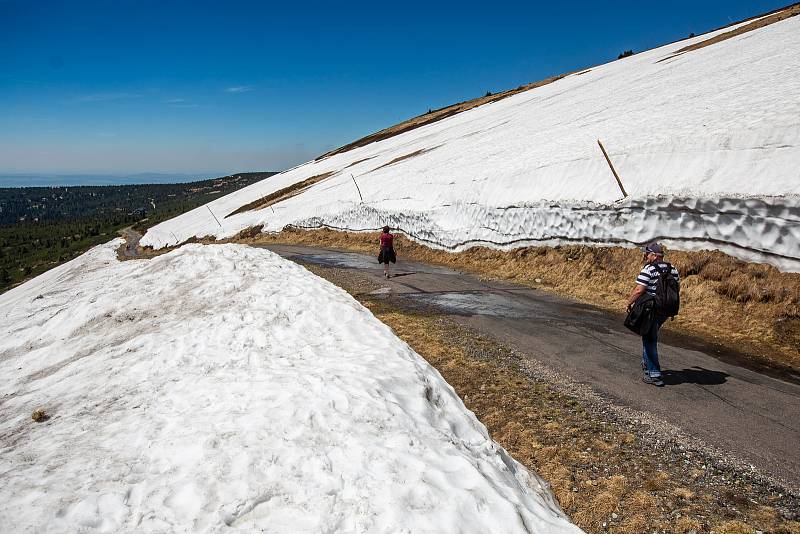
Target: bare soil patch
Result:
[760, 22]
[359, 161]
[282, 194]
[437, 115]
[148, 252]
[405, 157]
[608, 472]
[448, 111]
[744, 307]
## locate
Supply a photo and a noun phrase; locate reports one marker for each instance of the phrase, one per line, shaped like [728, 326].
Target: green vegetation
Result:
[41, 227]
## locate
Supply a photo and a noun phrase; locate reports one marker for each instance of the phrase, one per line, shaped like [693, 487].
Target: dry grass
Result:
[437, 115]
[603, 475]
[358, 161]
[734, 527]
[449, 111]
[282, 194]
[404, 157]
[777, 16]
[744, 307]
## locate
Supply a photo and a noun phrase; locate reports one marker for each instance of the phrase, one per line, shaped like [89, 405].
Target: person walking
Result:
[648, 281]
[386, 253]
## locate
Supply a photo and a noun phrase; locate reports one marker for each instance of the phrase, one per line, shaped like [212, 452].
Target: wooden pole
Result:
[357, 188]
[613, 170]
[215, 217]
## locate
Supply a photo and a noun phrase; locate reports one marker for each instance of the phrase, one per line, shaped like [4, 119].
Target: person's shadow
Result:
[695, 375]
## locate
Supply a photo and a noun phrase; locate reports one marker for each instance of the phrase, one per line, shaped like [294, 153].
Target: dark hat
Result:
[653, 247]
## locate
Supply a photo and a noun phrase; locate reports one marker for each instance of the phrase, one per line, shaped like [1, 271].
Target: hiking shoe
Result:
[653, 380]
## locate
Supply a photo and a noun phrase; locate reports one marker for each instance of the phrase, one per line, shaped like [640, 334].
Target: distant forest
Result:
[41, 227]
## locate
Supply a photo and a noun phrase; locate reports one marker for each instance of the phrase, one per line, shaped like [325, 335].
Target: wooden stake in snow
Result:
[619, 182]
[215, 217]
[357, 188]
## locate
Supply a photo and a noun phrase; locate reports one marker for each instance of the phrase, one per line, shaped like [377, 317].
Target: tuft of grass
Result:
[39, 415]
[685, 525]
[598, 510]
[734, 527]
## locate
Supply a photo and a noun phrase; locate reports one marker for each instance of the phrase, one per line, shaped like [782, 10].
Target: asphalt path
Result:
[131, 237]
[746, 413]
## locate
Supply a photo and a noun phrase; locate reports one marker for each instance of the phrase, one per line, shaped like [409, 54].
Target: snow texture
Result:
[707, 144]
[222, 388]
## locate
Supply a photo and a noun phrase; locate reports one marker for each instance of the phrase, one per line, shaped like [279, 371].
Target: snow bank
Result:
[222, 388]
[718, 128]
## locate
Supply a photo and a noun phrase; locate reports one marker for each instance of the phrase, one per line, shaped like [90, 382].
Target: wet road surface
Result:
[131, 247]
[750, 414]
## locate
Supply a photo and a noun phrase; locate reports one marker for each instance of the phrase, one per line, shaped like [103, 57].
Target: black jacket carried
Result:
[642, 314]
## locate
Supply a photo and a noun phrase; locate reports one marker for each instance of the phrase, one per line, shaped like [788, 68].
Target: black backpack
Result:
[668, 292]
[641, 315]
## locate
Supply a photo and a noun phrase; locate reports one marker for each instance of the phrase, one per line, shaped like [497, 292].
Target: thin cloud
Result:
[107, 97]
[240, 89]
[175, 101]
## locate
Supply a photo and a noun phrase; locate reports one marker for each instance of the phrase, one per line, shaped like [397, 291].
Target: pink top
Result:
[387, 240]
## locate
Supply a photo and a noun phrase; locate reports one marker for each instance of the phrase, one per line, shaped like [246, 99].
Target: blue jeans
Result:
[650, 352]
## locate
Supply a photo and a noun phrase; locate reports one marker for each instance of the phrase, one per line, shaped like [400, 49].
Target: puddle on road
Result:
[381, 291]
[480, 303]
[341, 260]
[349, 260]
[513, 306]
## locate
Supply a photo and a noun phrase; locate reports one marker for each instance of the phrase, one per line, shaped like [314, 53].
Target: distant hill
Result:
[41, 227]
[701, 133]
[71, 179]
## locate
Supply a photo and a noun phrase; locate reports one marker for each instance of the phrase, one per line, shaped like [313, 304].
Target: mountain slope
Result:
[707, 144]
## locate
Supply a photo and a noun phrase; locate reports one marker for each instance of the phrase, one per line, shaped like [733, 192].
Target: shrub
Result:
[626, 53]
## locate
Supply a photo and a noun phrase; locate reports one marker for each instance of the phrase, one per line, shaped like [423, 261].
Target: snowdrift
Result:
[222, 388]
[707, 144]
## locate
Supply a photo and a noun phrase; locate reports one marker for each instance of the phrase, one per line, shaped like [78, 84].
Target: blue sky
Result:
[211, 87]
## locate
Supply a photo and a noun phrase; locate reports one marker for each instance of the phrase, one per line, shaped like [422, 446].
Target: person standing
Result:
[386, 253]
[648, 281]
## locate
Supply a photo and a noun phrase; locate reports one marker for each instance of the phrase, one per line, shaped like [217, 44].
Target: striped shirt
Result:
[649, 275]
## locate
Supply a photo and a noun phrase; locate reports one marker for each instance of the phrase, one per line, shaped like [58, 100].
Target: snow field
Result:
[716, 127]
[222, 388]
